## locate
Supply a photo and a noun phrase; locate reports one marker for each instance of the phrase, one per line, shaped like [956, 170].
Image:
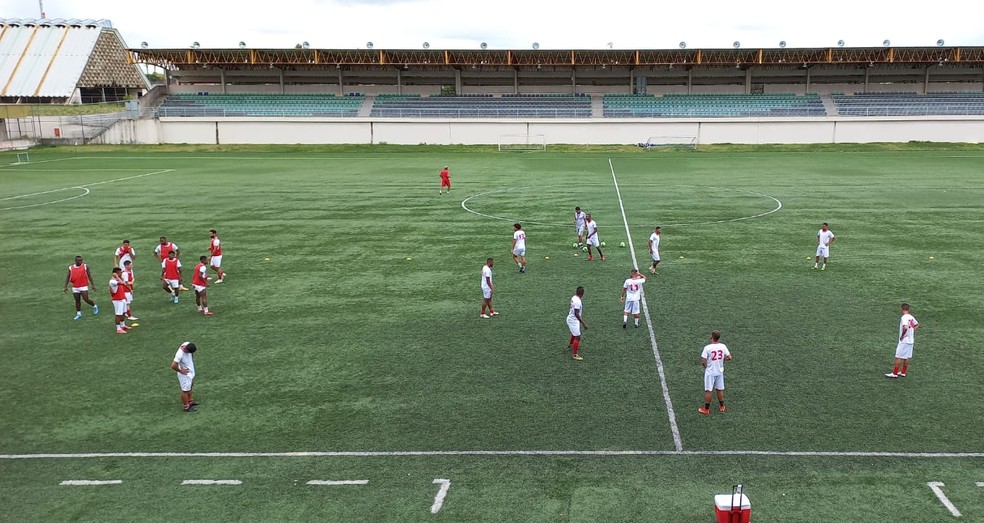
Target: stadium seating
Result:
[483, 106]
[269, 105]
[909, 104]
[712, 105]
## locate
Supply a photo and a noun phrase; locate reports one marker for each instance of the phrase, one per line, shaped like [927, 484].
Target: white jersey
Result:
[185, 360]
[579, 219]
[127, 276]
[520, 238]
[157, 250]
[908, 322]
[633, 289]
[654, 241]
[126, 256]
[593, 229]
[575, 306]
[486, 277]
[715, 353]
[825, 237]
[114, 285]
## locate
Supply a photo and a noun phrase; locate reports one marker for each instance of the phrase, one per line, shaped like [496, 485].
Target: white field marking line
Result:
[90, 482]
[48, 203]
[441, 494]
[547, 224]
[935, 487]
[84, 187]
[211, 482]
[330, 482]
[980, 483]
[38, 161]
[674, 429]
[503, 453]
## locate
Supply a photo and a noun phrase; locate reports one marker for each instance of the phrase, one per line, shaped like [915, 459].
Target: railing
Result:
[856, 109]
[219, 112]
[485, 112]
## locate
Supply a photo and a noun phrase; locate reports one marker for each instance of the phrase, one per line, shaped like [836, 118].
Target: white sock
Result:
[625, 318]
[206, 309]
[637, 322]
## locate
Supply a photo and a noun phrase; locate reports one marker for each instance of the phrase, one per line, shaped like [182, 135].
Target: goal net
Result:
[689, 142]
[22, 158]
[522, 142]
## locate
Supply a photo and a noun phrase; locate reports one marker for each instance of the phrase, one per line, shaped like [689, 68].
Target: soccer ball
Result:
[585, 248]
[621, 244]
[603, 244]
[574, 245]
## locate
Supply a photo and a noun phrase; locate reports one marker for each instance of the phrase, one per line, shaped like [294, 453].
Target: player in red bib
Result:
[165, 247]
[445, 180]
[199, 281]
[117, 292]
[81, 278]
[171, 275]
[123, 253]
[127, 275]
[215, 260]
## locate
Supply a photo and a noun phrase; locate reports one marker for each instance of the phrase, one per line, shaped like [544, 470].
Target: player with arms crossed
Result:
[592, 238]
[519, 247]
[123, 253]
[631, 295]
[487, 289]
[81, 278]
[199, 282]
[579, 225]
[824, 238]
[171, 276]
[654, 248]
[712, 359]
[575, 322]
[215, 258]
[445, 180]
[903, 351]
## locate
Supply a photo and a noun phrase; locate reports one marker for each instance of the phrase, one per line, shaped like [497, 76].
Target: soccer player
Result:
[171, 275]
[575, 322]
[654, 248]
[824, 238]
[592, 237]
[123, 253]
[487, 289]
[165, 247]
[199, 281]
[184, 364]
[713, 358]
[128, 279]
[81, 278]
[215, 260]
[445, 181]
[631, 294]
[117, 292]
[903, 351]
[519, 247]
[579, 225]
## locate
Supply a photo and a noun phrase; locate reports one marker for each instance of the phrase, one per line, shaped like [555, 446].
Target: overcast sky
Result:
[516, 24]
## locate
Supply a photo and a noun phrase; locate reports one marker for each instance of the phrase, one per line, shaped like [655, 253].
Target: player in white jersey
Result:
[907, 336]
[712, 358]
[519, 247]
[824, 238]
[487, 289]
[575, 322]
[579, 225]
[129, 280]
[184, 364]
[592, 237]
[631, 296]
[654, 248]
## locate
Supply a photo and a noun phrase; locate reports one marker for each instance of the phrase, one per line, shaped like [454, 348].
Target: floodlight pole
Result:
[41, 6]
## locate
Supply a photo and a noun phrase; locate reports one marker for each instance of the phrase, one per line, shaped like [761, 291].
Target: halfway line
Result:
[677, 442]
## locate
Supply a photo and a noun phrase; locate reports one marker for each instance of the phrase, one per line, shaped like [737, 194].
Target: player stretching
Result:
[215, 260]
[903, 352]
[631, 294]
[824, 238]
[123, 253]
[592, 238]
[199, 282]
[519, 247]
[575, 322]
[117, 292]
[654, 248]
[171, 275]
[80, 277]
[128, 279]
[445, 180]
[713, 358]
[487, 289]
[579, 225]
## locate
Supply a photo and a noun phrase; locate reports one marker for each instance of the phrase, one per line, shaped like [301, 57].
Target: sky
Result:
[517, 24]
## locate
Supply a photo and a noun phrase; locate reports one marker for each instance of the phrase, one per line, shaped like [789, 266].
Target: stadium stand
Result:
[483, 106]
[909, 104]
[712, 105]
[264, 105]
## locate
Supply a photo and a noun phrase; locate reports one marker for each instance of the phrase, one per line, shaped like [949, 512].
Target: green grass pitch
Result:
[350, 323]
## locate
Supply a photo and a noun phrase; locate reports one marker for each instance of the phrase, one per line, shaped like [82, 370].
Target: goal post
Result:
[522, 142]
[23, 158]
[689, 142]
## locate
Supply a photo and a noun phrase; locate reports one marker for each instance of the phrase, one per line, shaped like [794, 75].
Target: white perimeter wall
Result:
[594, 131]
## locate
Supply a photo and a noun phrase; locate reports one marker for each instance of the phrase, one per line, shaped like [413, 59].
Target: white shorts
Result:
[80, 290]
[632, 307]
[903, 351]
[823, 251]
[486, 293]
[129, 298]
[655, 256]
[215, 261]
[713, 381]
[519, 252]
[580, 229]
[119, 307]
[175, 284]
[575, 327]
[185, 381]
[199, 288]
[592, 240]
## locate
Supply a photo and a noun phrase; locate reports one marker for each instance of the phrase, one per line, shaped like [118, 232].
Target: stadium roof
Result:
[51, 58]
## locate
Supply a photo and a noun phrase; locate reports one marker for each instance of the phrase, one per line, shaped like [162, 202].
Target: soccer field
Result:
[347, 349]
